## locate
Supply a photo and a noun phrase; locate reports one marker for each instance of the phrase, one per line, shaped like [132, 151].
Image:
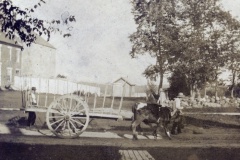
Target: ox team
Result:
[159, 113]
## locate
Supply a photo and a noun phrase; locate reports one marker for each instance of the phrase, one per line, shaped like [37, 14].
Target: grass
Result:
[212, 109]
[13, 99]
[10, 99]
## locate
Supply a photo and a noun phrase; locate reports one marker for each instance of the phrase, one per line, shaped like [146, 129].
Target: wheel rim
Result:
[67, 116]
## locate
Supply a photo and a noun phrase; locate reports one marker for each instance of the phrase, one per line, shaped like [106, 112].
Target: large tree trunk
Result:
[216, 91]
[198, 93]
[216, 85]
[160, 82]
[205, 91]
[192, 92]
[233, 82]
[232, 92]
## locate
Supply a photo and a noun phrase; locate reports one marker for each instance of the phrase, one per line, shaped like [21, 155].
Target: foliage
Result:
[157, 34]
[222, 91]
[178, 83]
[203, 33]
[19, 24]
[234, 91]
[61, 76]
[195, 38]
[233, 56]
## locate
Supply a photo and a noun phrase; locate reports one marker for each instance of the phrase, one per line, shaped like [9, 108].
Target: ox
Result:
[150, 113]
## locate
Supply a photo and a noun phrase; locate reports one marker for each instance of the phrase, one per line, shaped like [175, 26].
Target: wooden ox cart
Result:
[68, 115]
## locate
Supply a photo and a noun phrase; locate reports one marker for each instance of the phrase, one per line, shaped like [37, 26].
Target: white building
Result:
[39, 60]
[122, 87]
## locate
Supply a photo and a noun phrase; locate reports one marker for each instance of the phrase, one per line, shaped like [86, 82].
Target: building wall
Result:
[117, 89]
[10, 64]
[39, 61]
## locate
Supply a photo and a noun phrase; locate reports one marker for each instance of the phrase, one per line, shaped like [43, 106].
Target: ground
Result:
[205, 136]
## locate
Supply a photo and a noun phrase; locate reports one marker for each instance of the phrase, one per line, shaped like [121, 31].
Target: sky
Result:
[98, 50]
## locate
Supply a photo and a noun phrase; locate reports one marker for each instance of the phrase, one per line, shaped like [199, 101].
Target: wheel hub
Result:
[67, 117]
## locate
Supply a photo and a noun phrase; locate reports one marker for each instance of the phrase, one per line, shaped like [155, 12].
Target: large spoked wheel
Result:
[67, 116]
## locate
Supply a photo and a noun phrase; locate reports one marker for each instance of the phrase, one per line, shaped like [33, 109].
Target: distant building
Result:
[123, 87]
[38, 60]
[10, 60]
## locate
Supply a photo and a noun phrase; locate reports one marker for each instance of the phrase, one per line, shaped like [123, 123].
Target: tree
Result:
[157, 34]
[224, 46]
[178, 83]
[204, 26]
[193, 37]
[19, 24]
[233, 56]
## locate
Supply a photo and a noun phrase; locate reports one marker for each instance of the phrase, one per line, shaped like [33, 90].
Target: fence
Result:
[54, 86]
[139, 95]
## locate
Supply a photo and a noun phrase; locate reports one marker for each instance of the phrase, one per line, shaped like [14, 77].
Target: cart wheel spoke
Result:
[75, 107]
[56, 121]
[59, 126]
[69, 129]
[77, 122]
[60, 106]
[64, 104]
[56, 111]
[75, 129]
[64, 126]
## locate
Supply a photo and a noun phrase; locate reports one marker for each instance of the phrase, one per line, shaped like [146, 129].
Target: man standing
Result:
[177, 115]
[162, 98]
[32, 115]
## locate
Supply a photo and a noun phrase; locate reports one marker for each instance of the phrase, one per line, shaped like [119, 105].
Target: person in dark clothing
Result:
[31, 119]
[32, 115]
[177, 115]
[177, 123]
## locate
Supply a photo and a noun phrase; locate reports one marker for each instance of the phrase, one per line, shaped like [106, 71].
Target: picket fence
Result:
[53, 86]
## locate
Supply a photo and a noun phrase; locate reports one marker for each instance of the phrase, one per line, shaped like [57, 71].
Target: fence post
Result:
[113, 97]
[54, 89]
[105, 94]
[46, 97]
[39, 86]
[120, 106]
[23, 93]
[67, 87]
[95, 101]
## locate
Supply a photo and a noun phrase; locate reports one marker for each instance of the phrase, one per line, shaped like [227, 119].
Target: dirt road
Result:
[197, 141]
[204, 137]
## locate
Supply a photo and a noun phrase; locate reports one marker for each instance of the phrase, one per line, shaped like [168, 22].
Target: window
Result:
[17, 72]
[10, 53]
[0, 73]
[9, 74]
[18, 56]
[0, 52]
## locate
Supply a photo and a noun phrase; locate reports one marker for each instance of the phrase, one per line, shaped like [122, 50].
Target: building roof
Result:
[121, 78]
[43, 42]
[39, 40]
[7, 41]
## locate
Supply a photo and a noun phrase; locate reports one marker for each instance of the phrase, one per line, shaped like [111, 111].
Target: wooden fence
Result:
[53, 86]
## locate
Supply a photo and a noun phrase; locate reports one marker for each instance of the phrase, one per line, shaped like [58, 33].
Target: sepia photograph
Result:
[119, 80]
